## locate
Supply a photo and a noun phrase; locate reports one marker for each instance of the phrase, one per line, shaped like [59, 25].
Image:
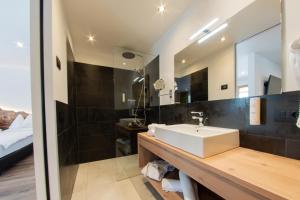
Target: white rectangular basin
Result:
[201, 141]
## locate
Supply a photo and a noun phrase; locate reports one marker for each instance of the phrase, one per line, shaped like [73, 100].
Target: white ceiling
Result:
[130, 24]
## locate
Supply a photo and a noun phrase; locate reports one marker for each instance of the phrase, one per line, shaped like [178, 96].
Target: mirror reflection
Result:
[236, 58]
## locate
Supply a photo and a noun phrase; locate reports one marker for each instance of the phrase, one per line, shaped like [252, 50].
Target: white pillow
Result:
[16, 123]
[27, 123]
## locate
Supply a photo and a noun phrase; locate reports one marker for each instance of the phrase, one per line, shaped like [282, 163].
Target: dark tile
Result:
[263, 143]
[173, 114]
[89, 156]
[102, 142]
[94, 86]
[96, 114]
[293, 148]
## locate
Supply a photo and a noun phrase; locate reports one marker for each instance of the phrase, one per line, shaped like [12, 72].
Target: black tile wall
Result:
[277, 135]
[66, 135]
[66, 150]
[95, 112]
[151, 75]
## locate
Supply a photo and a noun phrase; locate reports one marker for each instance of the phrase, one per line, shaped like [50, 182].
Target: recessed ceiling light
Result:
[91, 38]
[223, 39]
[161, 9]
[183, 61]
[20, 44]
[124, 63]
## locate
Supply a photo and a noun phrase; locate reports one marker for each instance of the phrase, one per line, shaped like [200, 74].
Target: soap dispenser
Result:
[255, 111]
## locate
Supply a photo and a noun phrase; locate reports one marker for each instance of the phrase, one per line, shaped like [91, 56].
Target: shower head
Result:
[128, 55]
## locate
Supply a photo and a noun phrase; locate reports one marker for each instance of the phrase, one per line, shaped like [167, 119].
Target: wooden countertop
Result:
[271, 176]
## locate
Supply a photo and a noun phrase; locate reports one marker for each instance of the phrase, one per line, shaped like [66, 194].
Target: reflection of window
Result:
[243, 91]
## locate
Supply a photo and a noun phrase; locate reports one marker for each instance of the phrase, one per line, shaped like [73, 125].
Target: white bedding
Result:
[12, 140]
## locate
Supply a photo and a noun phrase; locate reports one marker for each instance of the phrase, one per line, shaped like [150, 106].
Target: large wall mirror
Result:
[240, 57]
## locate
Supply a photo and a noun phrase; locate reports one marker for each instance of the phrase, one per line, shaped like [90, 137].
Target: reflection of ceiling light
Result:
[135, 80]
[223, 26]
[243, 73]
[141, 80]
[183, 61]
[161, 9]
[204, 28]
[223, 39]
[20, 44]
[124, 63]
[91, 38]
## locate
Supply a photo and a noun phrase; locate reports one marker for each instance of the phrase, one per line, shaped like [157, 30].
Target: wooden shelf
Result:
[237, 174]
[165, 195]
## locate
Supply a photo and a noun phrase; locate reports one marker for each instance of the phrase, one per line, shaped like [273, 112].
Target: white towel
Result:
[152, 127]
[189, 187]
[157, 169]
[171, 185]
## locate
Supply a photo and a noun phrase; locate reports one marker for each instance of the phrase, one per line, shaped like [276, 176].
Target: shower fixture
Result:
[128, 55]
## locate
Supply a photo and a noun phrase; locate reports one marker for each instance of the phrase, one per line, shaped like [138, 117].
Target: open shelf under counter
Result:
[165, 195]
[236, 174]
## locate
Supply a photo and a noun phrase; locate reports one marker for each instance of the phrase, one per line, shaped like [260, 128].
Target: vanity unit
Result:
[239, 173]
[126, 139]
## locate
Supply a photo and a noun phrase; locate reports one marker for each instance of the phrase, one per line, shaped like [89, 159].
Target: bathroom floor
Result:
[117, 178]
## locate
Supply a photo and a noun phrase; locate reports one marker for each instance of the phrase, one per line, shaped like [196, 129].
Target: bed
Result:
[15, 144]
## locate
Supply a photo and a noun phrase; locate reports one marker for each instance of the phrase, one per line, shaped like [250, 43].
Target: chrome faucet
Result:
[200, 117]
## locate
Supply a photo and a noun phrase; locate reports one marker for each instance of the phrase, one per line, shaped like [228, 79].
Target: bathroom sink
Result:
[201, 141]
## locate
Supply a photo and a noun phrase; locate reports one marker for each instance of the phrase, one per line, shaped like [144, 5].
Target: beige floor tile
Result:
[116, 179]
[122, 190]
[79, 195]
[139, 185]
[81, 179]
[130, 165]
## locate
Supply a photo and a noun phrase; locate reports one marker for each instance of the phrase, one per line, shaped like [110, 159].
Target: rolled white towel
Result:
[189, 187]
[157, 169]
[152, 172]
[152, 127]
[171, 185]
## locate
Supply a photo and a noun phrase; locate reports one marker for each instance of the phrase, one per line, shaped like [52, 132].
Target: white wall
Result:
[260, 68]
[263, 69]
[221, 70]
[60, 34]
[36, 88]
[177, 38]
[55, 37]
[291, 32]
